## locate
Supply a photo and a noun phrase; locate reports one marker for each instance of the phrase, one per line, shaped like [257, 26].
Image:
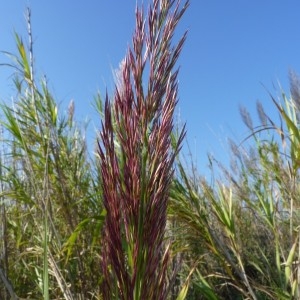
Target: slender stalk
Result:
[8, 285]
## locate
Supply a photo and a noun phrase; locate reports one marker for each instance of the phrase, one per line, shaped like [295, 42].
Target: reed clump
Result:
[133, 222]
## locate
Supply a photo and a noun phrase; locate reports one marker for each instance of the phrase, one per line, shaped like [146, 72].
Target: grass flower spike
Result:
[137, 158]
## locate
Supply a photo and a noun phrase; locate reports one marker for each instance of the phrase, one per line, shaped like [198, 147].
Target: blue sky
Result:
[233, 47]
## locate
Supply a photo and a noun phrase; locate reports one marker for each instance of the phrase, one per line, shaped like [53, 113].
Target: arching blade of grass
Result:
[97, 221]
[205, 288]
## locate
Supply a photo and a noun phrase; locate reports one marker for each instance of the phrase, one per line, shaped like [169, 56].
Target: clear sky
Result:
[233, 47]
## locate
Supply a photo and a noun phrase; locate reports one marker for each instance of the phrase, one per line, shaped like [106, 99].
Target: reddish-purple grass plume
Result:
[137, 158]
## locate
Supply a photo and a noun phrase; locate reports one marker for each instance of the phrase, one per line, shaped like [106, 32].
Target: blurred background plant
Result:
[239, 233]
[49, 194]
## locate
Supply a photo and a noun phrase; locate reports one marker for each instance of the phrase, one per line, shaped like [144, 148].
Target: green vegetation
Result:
[132, 222]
